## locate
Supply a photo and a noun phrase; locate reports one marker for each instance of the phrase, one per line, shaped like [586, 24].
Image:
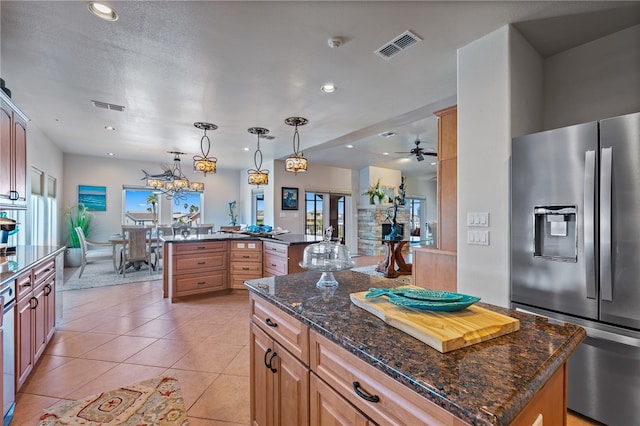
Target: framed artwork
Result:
[289, 198]
[93, 197]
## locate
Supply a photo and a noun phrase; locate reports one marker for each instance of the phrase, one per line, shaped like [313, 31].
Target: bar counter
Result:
[487, 383]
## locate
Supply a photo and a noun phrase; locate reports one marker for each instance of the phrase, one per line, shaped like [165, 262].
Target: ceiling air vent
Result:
[400, 43]
[386, 134]
[105, 105]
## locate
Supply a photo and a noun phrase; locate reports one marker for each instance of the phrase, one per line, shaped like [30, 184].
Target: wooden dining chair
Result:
[89, 254]
[158, 247]
[137, 247]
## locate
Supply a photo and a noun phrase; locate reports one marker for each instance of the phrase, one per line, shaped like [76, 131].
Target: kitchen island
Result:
[317, 358]
[222, 262]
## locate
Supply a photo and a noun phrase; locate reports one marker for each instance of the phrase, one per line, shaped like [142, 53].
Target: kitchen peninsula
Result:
[316, 358]
[198, 264]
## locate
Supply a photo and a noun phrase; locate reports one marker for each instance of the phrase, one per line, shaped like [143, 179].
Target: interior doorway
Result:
[323, 210]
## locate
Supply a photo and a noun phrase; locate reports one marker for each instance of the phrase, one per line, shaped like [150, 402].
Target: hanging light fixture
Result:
[172, 182]
[258, 176]
[203, 163]
[296, 162]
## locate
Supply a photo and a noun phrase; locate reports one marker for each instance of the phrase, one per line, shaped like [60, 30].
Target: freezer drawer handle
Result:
[606, 287]
[589, 222]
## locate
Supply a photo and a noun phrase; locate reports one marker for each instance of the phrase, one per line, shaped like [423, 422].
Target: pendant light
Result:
[258, 176]
[296, 162]
[203, 163]
[172, 182]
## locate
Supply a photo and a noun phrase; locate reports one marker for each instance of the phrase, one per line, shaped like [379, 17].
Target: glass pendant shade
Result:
[203, 163]
[296, 162]
[155, 183]
[258, 176]
[197, 186]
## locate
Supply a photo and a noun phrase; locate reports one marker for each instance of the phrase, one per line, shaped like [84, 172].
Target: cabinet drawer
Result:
[237, 280]
[245, 246]
[200, 262]
[288, 331]
[43, 270]
[196, 283]
[247, 256]
[24, 285]
[246, 268]
[199, 247]
[275, 248]
[345, 372]
[275, 264]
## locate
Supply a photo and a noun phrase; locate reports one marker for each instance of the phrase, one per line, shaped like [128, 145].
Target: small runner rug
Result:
[157, 401]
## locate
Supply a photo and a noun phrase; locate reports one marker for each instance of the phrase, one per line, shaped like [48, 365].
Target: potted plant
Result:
[77, 215]
[374, 192]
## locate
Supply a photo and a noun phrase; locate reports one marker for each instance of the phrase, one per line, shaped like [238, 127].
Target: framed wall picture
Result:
[93, 197]
[289, 198]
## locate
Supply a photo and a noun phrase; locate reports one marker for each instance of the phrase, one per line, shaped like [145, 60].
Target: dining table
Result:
[120, 240]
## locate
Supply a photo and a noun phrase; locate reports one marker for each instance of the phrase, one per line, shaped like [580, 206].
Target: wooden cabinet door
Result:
[24, 353]
[39, 320]
[261, 378]
[20, 162]
[291, 389]
[329, 408]
[50, 308]
[5, 153]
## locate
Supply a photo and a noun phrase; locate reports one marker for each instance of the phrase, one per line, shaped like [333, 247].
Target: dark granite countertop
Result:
[26, 257]
[287, 239]
[484, 384]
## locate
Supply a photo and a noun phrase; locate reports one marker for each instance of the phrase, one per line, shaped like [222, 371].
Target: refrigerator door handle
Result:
[589, 222]
[606, 286]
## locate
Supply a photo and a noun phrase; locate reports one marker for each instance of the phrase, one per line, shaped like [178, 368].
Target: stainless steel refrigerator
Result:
[575, 253]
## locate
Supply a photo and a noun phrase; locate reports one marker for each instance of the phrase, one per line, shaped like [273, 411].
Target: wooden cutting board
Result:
[443, 331]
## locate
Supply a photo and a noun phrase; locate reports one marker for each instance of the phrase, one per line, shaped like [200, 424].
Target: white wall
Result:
[370, 175]
[318, 178]
[597, 80]
[483, 164]
[220, 189]
[427, 188]
[44, 155]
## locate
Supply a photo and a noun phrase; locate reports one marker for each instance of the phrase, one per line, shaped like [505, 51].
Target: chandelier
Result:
[258, 176]
[172, 182]
[203, 163]
[296, 162]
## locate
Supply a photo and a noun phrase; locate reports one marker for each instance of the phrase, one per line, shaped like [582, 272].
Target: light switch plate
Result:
[479, 238]
[478, 219]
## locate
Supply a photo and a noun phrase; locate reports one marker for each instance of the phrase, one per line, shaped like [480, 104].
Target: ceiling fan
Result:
[419, 152]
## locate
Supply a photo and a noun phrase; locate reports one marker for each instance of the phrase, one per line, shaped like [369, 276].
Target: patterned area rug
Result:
[157, 401]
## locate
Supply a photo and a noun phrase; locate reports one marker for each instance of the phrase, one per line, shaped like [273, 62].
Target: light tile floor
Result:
[117, 335]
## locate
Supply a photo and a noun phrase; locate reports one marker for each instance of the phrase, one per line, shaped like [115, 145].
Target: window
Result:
[38, 208]
[258, 211]
[415, 217]
[52, 209]
[313, 214]
[138, 206]
[187, 210]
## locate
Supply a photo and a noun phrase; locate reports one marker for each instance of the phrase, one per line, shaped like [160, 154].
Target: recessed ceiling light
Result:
[348, 146]
[111, 154]
[434, 163]
[102, 11]
[385, 153]
[110, 128]
[328, 88]
[246, 149]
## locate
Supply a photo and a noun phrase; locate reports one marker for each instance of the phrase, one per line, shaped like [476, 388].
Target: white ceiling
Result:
[240, 64]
